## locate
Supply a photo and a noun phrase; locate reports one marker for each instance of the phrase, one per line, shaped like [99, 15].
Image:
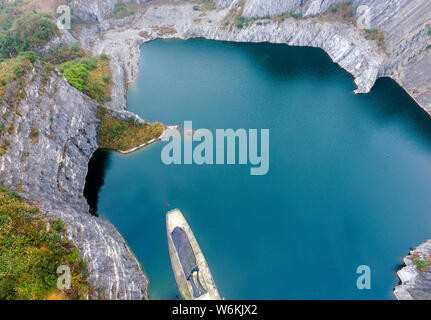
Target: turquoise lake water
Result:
[348, 183]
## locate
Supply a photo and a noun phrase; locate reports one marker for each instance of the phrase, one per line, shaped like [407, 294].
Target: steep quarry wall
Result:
[55, 128]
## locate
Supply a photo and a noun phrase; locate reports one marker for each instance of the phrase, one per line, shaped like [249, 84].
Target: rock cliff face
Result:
[96, 10]
[55, 135]
[415, 284]
[405, 25]
[53, 168]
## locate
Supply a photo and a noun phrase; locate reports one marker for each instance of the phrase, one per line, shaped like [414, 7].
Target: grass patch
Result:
[64, 53]
[344, 11]
[119, 135]
[28, 32]
[207, 5]
[30, 254]
[4, 145]
[20, 34]
[164, 30]
[122, 10]
[15, 70]
[378, 36]
[90, 75]
[34, 135]
[422, 264]
[297, 16]
[240, 21]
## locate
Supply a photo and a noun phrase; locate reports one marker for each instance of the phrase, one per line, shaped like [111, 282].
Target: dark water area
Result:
[97, 168]
[348, 183]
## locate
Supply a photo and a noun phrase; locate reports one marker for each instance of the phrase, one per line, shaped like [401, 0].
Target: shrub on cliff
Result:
[30, 254]
[15, 70]
[65, 53]
[119, 135]
[89, 75]
[123, 9]
[377, 35]
[30, 31]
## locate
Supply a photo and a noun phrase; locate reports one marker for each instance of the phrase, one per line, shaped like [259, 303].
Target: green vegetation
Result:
[122, 10]
[163, 30]
[20, 34]
[28, 32]
[30, 254]
[119, 135]
[16, 69]
[34, 134]
[207, 5]
[64, 53]
[421, 264]
[4, 145]
[344, 10]
[429, 32]
[297, 16]
[240, 22]
[11, 128]
[378, 36]
[91, 75]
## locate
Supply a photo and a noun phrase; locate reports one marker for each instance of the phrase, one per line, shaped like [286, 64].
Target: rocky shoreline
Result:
[54, 170]
[415, 283]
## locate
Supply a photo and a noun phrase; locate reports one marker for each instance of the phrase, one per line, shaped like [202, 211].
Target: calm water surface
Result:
[348, 184]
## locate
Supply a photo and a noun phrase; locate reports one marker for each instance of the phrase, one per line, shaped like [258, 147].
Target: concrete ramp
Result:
[190, 268]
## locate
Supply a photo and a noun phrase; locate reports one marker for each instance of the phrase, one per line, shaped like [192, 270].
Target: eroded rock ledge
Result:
[49, 167]
[416, 282]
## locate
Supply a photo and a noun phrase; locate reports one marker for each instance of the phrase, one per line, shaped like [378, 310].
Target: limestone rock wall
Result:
[55, 128]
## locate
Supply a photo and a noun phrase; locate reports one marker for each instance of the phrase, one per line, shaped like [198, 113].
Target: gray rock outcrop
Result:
[415, 283]
[55, 130]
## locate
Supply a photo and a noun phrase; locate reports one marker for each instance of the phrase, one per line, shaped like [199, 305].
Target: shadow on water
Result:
[97, 168]
[287, 61]
[380, 102]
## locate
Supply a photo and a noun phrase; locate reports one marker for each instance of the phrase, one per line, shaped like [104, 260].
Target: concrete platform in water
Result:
[190, 268]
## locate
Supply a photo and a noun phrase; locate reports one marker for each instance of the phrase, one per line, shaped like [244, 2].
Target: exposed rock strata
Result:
[55, 136]
[415, 284]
